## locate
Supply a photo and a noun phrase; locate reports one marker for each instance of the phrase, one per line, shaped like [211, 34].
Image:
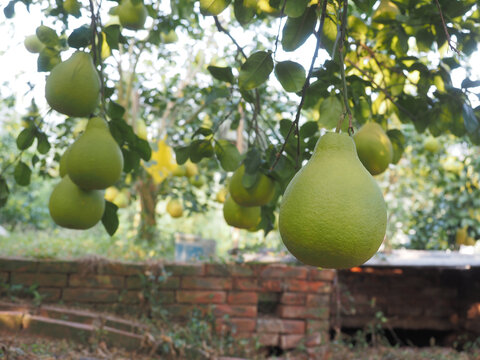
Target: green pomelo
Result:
[259, 194]
[239, 216]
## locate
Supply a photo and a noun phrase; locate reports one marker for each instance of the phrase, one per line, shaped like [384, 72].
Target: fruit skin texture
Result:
[132, 16]
[95, 160]
[74, 208]
[374, 148]
[242, 217]
[33, 44]
[73, 87]
[333, 214]
[175, 208]
[259, 194]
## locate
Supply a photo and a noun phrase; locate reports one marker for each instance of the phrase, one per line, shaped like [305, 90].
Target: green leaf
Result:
[253, 160]
[472, 124]
[467, 83]
[47, 35]
[142, 147]
[80, 37]
[43, 145]
[329, 35]
[242, 13]
[9, 10]
[115, 110]
[213, 7]
[47, 59]
[25, 138]
[256, 70]
[227, 154]
[22, 174]
[131, 160]
[222, 73]
[110, 218]
[398, 142]
[202, 131]
[331, 109]
[182, 154]
[295, 8]
[200, 149]
[309, 129]
[4, 192]
[291, 75]
[297, 30]
[285, 126]
[112, 34]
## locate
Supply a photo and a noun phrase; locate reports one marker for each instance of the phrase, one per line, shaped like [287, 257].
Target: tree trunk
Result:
[147, 191]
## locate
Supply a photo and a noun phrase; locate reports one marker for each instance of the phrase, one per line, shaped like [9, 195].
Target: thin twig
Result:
[450, 43]
[282, 12]
[306, 84]
[94, 32]
[384, 91]
[222, 29]
[342, 72]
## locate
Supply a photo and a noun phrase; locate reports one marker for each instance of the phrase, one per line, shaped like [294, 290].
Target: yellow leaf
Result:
[163, 162]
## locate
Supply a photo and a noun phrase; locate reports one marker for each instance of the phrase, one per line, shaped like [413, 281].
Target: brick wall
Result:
[284, 306]
[414, 298]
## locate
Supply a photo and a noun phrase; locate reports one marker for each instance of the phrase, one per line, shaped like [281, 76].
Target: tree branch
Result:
[306, 84]
[445, 29]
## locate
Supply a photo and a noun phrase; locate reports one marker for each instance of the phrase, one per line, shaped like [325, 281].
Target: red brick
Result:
[301, 312]
[18, 265]
[307, 286]
[322, 275]
[133, 297]
[236, 326]
[235, 310]
[267, 339]
[228, 270]
[135, 282]
[119, 268]
[82, 295]
[201, 283]
[201, 297]
[242, 297]
[50, 294]
[284, 271]
[292, 298]
[290, 341]
[246, 284]
[272, 285]
[58, 266]
[3, 277]
[318, 300]
[96, 281]
[315, 339]
[27, 279]
[185, 269]
[317, 325]
[273, 325]
[184, 310]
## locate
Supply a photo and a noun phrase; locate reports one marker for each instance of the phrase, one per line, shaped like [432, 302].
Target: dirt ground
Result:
[33, 348]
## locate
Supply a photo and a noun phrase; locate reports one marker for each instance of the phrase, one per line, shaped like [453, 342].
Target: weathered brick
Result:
[235, 310]
[271, 285]
[3, 277]
[27, 279]
[267, 339]
[399, 310]
[50, 294]
[290, 341]
[120, 268]
[131, 297]
[301, 312]
[82, 295]
[58, 266]
[185, 269]
[317, 325]
[213, 283]
[317, 300]
[235, 325]
[275, 325]
[228, 270]
[292, 298]
[284, 271]
[184, 311]
[242, 297]
[201, 297]
[315, 339]
[18, 264]
[246, 284]
[135, 282]
[269, 297]
[307, 286]
[321, 275]
[96, 281]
